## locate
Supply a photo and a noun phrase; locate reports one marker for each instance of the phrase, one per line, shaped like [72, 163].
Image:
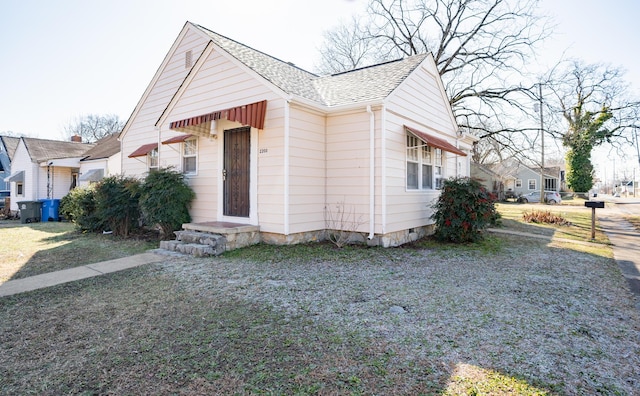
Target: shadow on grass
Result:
[512, 316]
[122, 333]
[38, 248]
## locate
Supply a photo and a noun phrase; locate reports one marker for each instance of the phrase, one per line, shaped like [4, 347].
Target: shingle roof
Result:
[360, 85]
[10, 144]
[104, 148]
[43, 149]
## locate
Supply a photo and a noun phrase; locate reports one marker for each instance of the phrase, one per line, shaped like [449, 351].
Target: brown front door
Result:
[236, 171]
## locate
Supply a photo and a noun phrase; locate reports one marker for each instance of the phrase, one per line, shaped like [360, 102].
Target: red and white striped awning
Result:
[252, 114]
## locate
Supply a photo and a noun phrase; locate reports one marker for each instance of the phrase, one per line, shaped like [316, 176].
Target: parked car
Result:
[551, 197]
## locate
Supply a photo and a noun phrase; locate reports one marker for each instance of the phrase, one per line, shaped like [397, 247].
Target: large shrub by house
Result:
[165, 200]
[79, 206]
[463, 209]
[117, 203]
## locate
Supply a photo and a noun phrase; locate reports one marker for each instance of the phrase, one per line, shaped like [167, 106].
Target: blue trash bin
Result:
[50, 210]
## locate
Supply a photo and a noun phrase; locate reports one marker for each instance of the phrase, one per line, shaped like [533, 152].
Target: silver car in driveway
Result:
[552, 197]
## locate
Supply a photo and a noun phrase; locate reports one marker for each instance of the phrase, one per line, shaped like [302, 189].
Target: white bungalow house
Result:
[101, 161]
[44, 169]
[266, 144]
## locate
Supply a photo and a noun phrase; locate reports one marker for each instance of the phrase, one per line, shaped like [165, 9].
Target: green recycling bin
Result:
[29, 211]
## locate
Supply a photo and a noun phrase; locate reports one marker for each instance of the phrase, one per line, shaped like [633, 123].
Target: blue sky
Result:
[62, 59]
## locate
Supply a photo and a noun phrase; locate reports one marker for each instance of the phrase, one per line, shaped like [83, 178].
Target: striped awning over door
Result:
[252, 114]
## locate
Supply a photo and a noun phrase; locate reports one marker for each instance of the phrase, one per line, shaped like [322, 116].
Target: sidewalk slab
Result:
[77, 273]
[125, 262]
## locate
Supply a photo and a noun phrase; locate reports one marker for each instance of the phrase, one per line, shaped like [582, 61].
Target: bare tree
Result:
[348, 50]
[93, 127]
[480, 48]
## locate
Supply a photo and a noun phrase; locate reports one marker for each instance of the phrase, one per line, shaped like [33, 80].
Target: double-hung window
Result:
[190, 156]
[425, 168]
[152, 159]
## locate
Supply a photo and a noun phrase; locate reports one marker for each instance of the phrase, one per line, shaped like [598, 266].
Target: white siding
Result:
[307, 171]
[141, 129]
[348, 167]
[22, 162]
[419, 102]
[221, 84]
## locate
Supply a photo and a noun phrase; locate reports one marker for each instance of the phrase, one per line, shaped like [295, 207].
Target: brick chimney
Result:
[76, 138]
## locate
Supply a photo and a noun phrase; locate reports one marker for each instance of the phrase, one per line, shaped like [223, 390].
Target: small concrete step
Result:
[202, 238]
[194, 249]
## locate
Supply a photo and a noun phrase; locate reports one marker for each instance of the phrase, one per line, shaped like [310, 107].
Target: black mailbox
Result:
[594, 204]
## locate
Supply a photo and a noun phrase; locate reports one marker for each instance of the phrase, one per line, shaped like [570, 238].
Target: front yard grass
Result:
[509, 316]
[579, 216]
[37, 248]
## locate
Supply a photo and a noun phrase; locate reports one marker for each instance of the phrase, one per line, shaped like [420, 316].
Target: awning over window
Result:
[92, 175]
[177, 139]
[436, 142]
[251, 114]
[144, 150]
[17, 177]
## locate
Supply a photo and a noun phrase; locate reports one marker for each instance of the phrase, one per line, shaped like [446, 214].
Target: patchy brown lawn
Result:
[508, 316]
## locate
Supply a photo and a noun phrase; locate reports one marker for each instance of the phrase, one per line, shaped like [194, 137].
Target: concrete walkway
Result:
[73, 274]
[626, 248]
[623, 236]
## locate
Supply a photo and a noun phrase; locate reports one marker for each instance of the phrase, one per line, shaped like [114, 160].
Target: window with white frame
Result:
[425, 165]
[532, 184]
[19, 189]
[518, 183]
[190, 156]
[438, 167]
[152, 159]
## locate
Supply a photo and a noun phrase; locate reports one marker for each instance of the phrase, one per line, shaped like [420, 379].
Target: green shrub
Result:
[79, 206]
[117, 203]
[165, 200]
[463, 209]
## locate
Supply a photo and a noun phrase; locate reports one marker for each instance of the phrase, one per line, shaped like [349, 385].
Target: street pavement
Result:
[624, 237]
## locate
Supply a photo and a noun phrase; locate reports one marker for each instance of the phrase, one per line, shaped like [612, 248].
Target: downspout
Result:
[372, 174]
[157, 128]
[383, 166]
[286, 165]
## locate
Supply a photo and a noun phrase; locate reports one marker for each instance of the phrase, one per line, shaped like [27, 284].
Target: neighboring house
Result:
[488, 178]
[267, 144]
[8, 145]
[101, 160]
[522, 179]
[44, 169]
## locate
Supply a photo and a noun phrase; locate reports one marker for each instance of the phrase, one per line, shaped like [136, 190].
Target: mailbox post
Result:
[593, 205]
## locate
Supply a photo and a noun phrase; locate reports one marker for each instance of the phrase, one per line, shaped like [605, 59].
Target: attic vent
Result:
[188, 59]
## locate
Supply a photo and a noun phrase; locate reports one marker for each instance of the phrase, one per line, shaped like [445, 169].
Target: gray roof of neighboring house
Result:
[511, 168]
[103, 148]
[360, 85]
[43, 149]
[10, 144]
